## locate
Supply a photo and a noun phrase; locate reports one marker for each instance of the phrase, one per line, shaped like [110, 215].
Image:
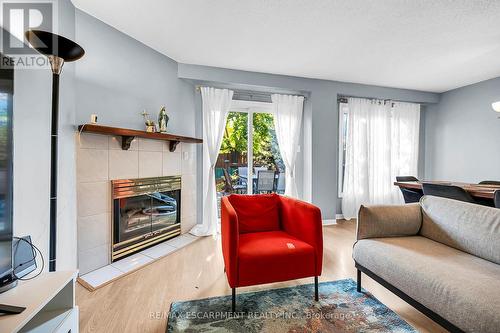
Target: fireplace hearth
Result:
[145, 212]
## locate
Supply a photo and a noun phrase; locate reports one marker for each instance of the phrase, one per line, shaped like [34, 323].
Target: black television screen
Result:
[6, 94]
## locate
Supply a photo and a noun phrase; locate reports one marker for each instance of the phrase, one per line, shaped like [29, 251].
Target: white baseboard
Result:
[333, 221]
[329, 222]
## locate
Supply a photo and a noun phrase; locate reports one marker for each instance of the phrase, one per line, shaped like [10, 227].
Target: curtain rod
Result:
[252, 92]
[344, 99]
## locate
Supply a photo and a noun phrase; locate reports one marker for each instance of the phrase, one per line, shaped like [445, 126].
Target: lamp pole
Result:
[58, 50]
[56, 65]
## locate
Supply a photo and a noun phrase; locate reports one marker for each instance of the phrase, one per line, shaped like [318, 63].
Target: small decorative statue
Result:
[150, 125]
[163, 120]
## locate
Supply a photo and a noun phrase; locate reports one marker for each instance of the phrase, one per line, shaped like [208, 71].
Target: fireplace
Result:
[145, 212]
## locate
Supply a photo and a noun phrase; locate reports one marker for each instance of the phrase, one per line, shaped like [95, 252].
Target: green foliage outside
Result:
[265, 147]
[235, 134]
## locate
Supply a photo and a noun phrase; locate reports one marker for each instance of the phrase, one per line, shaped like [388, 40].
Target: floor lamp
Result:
[58, 50]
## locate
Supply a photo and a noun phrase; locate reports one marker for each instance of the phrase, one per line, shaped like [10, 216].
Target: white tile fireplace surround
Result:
[101, 159]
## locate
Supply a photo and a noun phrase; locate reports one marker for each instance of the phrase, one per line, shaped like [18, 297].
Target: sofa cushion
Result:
[388, 221]
[472, 228]
[256, 212]
[458, 286]
[274, 256]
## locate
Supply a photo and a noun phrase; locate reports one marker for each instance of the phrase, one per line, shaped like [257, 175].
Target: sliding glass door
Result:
[249, 160]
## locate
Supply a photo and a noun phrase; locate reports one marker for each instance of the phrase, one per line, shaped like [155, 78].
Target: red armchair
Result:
[270, 238]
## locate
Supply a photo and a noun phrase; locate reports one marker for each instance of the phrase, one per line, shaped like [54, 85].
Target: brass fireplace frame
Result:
[126, 188]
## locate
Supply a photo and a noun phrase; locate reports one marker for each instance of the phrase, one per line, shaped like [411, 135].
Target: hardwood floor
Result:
[139, 301]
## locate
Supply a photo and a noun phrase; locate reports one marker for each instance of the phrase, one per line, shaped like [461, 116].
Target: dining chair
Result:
[409, 195]
[496, 198]
[406, 179]
[490, 182]
[265, 181]
[447, 191]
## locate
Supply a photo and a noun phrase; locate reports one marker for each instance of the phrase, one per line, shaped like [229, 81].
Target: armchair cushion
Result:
[266, 257]
[256, 213]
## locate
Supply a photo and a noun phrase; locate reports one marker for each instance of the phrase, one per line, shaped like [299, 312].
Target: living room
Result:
[286, 166]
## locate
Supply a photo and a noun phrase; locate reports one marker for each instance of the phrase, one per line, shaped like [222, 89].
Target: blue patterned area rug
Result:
[340, 309]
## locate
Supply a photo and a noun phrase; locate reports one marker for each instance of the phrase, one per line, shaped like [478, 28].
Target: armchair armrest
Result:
[388, 221]
[303, 221]
[230, 238]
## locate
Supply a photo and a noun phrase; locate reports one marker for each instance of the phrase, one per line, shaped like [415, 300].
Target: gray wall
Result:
[119, 77]
[32, 110]
[463, 134]
[323, 106]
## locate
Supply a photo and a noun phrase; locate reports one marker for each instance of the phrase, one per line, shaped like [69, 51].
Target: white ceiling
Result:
[430, 45]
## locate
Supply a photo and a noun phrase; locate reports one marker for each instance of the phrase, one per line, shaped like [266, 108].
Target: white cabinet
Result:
[50, 305]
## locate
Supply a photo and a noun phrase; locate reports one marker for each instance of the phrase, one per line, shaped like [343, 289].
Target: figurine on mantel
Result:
[163, 120]
[150, 125]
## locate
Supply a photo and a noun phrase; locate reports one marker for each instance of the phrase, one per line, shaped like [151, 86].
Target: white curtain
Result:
[382, 143]
[405, 131]
[287, 123]
[216, 104]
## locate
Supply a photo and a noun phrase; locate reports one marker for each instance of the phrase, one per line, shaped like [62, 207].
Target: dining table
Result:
[480, 191]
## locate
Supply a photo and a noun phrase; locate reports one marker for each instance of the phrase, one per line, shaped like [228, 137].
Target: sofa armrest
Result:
[388, 221]
[303, 221]
[230, 239]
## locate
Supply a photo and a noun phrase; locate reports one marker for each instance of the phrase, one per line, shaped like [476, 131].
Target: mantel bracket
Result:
[173, 145]
[126, 141]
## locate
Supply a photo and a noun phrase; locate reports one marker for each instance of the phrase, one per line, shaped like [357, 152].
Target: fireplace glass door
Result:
[134, 219]
[146, 214]
[164, 209]
[146, 211]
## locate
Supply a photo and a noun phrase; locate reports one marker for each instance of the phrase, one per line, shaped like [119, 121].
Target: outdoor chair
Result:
[242, 175]
[280, 184]
[229, 187]
[265, 181]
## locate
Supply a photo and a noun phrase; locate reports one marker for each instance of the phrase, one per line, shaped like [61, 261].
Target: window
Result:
[407, 145]
[378, 141]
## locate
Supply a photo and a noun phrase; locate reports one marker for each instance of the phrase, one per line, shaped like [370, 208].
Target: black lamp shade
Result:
[50, 44]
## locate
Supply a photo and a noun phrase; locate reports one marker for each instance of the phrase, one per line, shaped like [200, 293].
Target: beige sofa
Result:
[442, 256]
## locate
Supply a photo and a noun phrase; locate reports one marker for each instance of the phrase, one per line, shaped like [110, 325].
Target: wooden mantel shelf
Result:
[129, 134]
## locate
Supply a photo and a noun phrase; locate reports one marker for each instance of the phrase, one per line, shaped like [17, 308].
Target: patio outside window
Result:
[249, 160]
